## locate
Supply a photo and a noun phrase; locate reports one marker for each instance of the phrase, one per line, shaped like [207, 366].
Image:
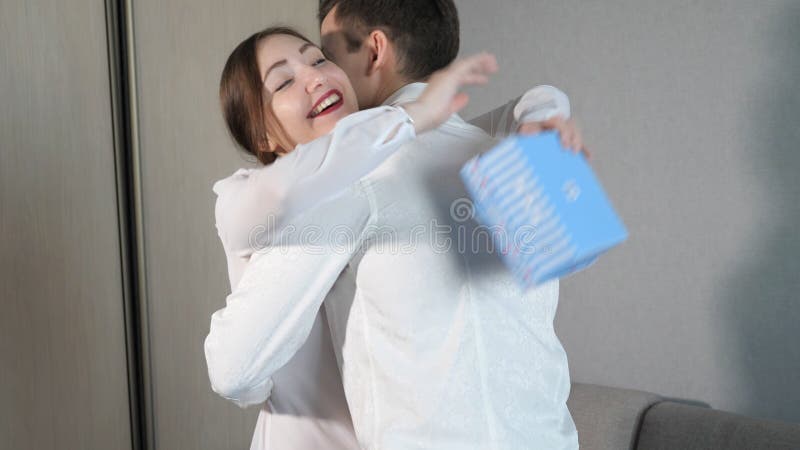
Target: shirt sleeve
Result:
[538, 104]
[253, 205]
[271, 311]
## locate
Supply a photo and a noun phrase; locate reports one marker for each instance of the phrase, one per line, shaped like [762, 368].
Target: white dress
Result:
[306, 408]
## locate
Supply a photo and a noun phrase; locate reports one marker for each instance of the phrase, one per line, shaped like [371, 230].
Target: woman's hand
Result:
[441, 98]
[571, 137]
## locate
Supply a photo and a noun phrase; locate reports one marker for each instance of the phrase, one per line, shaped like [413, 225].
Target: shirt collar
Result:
[412, 91]
[405, 94]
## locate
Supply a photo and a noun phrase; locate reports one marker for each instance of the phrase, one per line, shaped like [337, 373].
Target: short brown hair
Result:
[425, 32]
[248, 116]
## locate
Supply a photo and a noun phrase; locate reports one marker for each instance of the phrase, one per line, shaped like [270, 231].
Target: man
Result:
[437, 346]
[385, 45]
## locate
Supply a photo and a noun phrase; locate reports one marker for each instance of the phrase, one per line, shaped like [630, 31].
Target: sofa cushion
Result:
[607, 418]
[671, 425]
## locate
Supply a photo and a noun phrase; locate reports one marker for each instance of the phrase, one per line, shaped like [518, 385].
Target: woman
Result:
[297, 113]
[260, 103]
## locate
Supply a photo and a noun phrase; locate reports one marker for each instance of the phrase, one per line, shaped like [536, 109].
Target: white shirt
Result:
[438, 349]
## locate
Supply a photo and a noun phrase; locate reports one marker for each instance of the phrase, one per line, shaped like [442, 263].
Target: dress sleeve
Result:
[272, 309]
[253, 205]
[538, 104]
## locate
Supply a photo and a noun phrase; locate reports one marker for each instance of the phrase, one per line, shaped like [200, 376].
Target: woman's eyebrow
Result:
[306, 46]
[282, 62]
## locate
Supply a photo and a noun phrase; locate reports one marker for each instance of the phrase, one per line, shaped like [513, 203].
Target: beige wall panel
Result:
[63, 382]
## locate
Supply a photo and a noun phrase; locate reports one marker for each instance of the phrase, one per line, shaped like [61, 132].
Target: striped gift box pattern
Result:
[552, 212]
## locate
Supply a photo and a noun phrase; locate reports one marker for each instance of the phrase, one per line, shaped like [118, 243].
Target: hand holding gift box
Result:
[555, 217]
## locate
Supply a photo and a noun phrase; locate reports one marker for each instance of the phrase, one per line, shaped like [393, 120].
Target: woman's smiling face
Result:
[307, 93]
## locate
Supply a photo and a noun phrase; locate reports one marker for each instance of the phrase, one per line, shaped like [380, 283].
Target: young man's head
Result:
[384, 44]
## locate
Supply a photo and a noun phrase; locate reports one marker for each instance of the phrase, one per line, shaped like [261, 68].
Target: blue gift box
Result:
[554, 216]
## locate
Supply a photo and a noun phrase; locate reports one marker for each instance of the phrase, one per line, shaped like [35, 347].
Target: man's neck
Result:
[390, 87]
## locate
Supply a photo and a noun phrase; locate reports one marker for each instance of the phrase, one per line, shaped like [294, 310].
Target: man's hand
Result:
[571, 137]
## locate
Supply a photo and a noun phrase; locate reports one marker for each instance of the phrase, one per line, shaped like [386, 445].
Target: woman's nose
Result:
[315, 79]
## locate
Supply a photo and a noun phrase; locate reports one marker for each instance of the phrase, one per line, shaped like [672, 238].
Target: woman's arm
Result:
[253, 205]
[537, 105]
[272, 309]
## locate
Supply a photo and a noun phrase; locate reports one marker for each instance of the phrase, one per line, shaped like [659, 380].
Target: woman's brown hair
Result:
[248, 116]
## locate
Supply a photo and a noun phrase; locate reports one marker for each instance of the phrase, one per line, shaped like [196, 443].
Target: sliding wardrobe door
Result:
[180, 48]
[63, 375]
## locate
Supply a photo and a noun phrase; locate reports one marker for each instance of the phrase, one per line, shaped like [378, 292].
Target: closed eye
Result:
[288, 81]
[283, 85]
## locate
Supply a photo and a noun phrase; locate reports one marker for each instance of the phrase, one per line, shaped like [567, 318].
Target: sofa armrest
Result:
[606, 417]
[670, 425]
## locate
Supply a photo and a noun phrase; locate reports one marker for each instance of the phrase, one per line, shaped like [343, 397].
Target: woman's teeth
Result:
[325, 103]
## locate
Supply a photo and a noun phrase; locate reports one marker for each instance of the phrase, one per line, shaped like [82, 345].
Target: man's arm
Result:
[537, 105]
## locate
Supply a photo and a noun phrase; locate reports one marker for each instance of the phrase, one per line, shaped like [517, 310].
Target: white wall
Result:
[691, 110]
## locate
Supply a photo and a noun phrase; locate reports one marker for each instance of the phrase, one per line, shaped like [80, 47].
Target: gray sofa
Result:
[610, 418]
